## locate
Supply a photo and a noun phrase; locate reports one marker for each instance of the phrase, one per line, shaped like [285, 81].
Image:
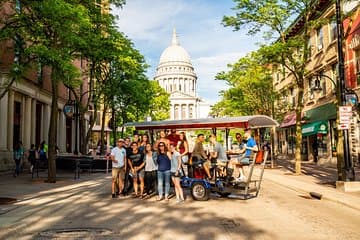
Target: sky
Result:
[149, 24]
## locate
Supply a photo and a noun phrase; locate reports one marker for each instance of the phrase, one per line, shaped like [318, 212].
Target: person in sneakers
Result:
[136, 163]
[150, 169]
[163, 173]
[175, 172]
[118, 158]
[244, 159]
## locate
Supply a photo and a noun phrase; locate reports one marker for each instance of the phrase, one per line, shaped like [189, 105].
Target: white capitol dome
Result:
[175, 53]
[176, 75]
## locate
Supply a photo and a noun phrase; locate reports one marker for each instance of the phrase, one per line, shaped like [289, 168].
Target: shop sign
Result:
[322, 129]
[355, 42]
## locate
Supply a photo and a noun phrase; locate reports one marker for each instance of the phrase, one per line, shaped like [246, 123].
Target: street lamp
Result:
[349, 172]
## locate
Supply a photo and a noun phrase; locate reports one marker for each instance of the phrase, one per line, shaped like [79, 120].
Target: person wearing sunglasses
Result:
[164, 166]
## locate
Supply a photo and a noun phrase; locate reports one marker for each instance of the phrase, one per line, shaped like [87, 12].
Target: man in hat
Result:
[118, 158]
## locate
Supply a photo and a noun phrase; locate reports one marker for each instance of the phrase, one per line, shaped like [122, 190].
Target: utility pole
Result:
[345, 167]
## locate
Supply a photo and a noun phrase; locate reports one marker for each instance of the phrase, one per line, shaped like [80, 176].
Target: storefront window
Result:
[322, 144]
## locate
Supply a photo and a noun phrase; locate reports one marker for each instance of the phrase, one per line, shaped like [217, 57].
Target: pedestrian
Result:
[18, 154]
[118, 158]
[183, 149]
[43, 153]
[242, 160]
[31, 155]
[162, 139]
[175, 158]
[163, 173]
[218, 153]
[173, 137]
[199, 155]
[143, 142]
[150, 169]
[136, 164]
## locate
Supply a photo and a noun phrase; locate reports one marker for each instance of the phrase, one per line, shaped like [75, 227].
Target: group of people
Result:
[152, 166]
[33, 154]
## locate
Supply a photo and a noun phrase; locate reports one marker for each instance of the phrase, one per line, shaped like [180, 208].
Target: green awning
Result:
[314, 128]
[322, 113]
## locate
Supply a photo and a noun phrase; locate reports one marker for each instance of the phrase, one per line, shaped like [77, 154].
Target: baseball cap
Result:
[120, 140]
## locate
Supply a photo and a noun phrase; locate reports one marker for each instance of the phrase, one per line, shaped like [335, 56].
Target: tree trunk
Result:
[91, 125]
[53, 129]
[298, 144]
[102, 134]
[82, 137]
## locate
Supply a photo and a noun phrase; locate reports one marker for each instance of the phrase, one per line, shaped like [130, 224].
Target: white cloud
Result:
[206, 69]
[198, 22]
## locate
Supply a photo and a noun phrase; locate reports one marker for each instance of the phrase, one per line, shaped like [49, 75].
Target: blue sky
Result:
[211, 46]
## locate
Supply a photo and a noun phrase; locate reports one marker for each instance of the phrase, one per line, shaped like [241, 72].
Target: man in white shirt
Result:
[118, 158]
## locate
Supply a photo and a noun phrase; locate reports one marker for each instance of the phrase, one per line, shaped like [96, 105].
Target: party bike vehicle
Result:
[224, 184]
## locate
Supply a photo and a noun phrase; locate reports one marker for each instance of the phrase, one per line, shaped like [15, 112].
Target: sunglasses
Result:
[161, 145]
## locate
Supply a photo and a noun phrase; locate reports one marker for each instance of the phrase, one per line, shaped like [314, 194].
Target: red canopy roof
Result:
[256, 121]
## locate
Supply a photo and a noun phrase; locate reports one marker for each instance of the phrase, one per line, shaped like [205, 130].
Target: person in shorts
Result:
[118, 158]
[136, 164]
[175, 172]
[244, 159]
[218, 153]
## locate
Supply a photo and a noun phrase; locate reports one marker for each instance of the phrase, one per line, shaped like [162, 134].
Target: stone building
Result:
[319, 114]
[175, 73]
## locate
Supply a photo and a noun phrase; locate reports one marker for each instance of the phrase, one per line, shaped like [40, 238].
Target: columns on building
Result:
[33, 121]
[172, 111]
[187, 110]
[179, 111]
[4, 122]
[26, 126]
[62, 132]
[10, 126]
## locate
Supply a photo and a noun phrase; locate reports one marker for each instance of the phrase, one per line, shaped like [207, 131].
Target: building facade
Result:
[319, 114]
[175, 73]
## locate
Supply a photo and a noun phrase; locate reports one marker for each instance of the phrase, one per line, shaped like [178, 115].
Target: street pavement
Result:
[83, 209]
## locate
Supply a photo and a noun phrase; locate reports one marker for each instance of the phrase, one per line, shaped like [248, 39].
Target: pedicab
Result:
[224, 184]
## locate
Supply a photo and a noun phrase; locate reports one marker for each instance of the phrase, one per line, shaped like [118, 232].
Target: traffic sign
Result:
[345, 115]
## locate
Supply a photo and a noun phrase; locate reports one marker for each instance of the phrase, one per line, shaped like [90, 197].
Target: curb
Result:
[324, 196]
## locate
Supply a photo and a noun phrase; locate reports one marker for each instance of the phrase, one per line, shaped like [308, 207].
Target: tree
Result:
[251, 90]
[159, 105]
[52, 32]
[290, 49]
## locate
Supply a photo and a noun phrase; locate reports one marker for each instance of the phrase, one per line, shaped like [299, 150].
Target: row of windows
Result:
[319, 40]
[187, 69]
[184, 110]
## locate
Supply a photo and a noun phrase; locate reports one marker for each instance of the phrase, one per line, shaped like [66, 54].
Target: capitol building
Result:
[175, 73]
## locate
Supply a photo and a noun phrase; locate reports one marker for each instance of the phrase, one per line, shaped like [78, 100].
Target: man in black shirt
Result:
[137, 163]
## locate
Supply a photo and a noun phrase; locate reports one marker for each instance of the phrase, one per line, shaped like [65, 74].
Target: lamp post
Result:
[348, 173]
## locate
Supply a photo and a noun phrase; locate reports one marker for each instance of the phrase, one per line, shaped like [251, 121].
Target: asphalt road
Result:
[85, 210]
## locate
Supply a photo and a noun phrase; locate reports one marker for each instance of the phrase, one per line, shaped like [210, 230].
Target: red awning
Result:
[289, 120]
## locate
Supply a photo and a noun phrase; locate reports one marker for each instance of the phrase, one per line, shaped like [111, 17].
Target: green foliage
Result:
[159, 102]
[251, 91]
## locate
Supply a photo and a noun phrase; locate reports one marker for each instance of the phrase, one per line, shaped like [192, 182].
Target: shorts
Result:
[118, 173]
[172, 174]
[220, 163]
[185, 158]
[139, 174]
[243, 160]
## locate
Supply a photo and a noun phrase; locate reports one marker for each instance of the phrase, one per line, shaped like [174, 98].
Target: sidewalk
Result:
[314, 178]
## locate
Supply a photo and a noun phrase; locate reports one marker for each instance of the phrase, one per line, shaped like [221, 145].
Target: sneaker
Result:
[113, 195]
